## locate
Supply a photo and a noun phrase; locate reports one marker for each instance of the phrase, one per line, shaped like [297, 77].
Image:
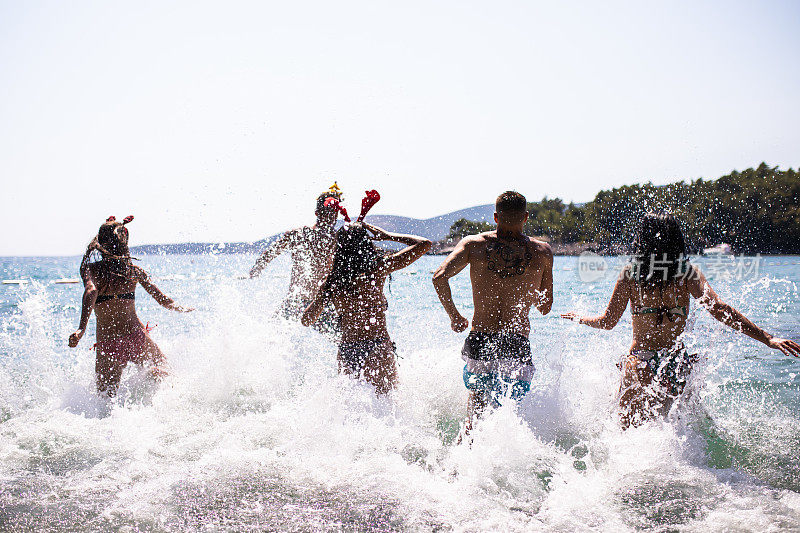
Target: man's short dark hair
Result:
[321, 200]
[511, 203]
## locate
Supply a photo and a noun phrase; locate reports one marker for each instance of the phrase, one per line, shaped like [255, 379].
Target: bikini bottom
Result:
[131, 348]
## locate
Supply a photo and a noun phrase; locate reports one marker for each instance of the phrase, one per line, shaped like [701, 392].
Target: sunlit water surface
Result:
[255, 429]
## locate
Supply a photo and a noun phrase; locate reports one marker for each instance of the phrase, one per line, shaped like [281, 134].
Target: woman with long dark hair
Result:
[659, 283]
[109, 290]
[355, 288]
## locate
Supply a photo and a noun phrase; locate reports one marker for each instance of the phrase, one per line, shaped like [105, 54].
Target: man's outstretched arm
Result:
[273, 251]
[455, 263]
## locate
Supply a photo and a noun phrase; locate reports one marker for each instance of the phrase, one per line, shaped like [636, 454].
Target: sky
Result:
[223, 121]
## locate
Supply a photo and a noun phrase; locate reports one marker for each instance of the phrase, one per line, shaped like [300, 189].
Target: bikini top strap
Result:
[670, 312]
[120, 296]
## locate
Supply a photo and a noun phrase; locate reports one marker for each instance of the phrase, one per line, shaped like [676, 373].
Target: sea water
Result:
[254, 428]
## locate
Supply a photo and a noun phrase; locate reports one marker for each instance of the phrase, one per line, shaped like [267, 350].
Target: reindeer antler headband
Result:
[125, 220]
[95, 244]
[372, 197]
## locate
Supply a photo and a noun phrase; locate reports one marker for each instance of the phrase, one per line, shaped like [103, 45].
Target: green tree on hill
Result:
[463, 227]
[756, 210]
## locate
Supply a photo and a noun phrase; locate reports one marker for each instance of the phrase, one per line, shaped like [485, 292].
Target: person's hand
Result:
[787, 346]
[459, 323]
[572, 316]
[75, 338]
[377, 233]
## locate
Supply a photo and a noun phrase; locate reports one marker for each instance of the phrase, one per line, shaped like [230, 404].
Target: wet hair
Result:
[356, 257]
[659, 251]
[511, 203]
[116, 257]
[321, 200]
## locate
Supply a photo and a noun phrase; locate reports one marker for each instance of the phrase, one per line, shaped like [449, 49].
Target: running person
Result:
[510, 272]
[659, 284]
[109, 290]
[355, 288]
[312, 249]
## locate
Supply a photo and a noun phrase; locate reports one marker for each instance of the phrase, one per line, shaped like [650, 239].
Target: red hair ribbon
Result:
[112, 218]
[369, 200]
[127, 219]
[334, 203]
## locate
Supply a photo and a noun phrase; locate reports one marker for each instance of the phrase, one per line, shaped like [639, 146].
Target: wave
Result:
[254, 428]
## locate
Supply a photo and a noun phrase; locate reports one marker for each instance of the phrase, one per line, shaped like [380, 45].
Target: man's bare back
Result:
[312, 257]
[506, 273]
[509, 271]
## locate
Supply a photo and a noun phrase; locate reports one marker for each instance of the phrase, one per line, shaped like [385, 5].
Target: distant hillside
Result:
[435, 229]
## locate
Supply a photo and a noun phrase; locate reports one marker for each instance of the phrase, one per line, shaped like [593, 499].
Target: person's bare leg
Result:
[154, 355]
[380, 368]
[108, 373]
[635, 393]
[476, 405]
[670, 391]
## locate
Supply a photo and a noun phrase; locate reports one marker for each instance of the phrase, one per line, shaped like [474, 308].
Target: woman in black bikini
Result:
[109, 287]
[355, 288]
[659, 283]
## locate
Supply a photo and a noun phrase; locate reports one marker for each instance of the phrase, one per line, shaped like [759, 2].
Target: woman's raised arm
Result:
[701, 289]
[163, 300]
[417, 247]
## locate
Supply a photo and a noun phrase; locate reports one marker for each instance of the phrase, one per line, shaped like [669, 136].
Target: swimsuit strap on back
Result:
[670, 312]
[680, 310]
[108, 297]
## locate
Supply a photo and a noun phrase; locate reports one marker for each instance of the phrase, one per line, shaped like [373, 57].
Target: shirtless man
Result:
[312, 250]
[509, 272]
